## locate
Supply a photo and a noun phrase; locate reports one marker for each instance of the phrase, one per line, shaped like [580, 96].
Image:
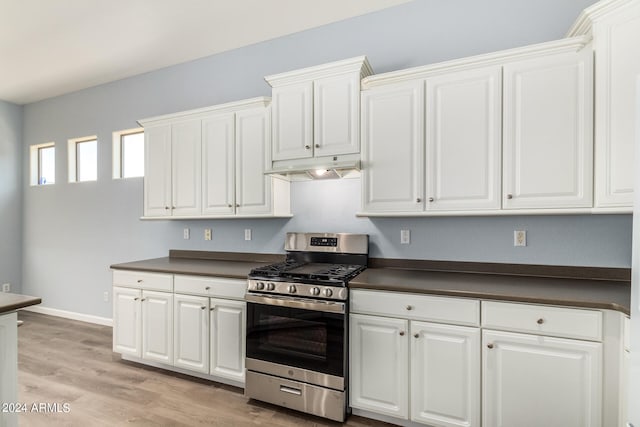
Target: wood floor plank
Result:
[66, 361]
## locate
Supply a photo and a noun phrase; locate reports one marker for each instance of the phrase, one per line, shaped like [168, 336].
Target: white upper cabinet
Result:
[292, 121]
[483, 135]
[548, 131]
[336, 115]
[316, 111]
[464, 139]
[253, 188]
[218, 158]
[185, 167]
[211, 163]
[615, 28]
[157, 180]
[393, 148]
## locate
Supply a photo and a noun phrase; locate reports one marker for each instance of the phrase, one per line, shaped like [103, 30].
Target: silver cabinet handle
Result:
[290, 390]
[431, 199]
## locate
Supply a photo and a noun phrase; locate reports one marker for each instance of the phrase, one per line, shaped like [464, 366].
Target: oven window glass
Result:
[304, 339]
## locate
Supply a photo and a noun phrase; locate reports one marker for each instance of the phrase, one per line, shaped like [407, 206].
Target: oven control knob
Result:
[315, 291]
[260, 286]
[328, 292]
[291, 289]
[270, 286]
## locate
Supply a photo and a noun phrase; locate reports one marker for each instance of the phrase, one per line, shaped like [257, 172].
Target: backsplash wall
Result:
[73, 232]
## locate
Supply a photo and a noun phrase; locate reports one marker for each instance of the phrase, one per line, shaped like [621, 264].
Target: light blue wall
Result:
[10, 195]
[73, 232]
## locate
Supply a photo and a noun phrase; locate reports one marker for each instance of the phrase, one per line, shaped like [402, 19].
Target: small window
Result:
[128, 153]
[43, 164]
[83, 159]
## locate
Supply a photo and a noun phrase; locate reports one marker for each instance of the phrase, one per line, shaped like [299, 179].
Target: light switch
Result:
[247, 234]
[405, 237]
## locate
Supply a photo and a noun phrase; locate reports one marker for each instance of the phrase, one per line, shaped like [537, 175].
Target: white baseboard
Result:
[104, 321]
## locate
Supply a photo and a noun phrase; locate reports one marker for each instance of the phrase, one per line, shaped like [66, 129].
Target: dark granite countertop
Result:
[588, 287]
[12, 302]
[603, 294]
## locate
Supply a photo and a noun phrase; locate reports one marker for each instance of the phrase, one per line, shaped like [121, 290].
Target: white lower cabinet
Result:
[227, 338]
[143, 324]
[196, 323]
[532, 381]
[414, 370]
[191, 332]
[379, 364]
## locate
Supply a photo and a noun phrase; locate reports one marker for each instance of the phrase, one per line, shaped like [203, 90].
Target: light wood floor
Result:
[65, 361]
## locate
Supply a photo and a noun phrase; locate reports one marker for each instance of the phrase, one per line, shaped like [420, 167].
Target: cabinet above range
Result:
[210, 163]
[316, 117]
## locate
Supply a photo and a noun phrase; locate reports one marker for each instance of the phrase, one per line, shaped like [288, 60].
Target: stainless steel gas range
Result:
[297, 317]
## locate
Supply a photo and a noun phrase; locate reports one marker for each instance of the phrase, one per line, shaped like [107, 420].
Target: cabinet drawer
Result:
[543, 320]
[415, 306]
[211, 286]
[143, 280]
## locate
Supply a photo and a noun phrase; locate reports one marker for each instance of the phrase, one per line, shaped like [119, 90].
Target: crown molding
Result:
[584, 24]
[573, 44]
[229, 107]
[359, 64]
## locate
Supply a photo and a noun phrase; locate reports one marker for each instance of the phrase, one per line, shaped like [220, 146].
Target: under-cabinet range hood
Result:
[316, 169]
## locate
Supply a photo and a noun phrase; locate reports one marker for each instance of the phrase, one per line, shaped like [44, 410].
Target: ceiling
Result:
[48, 48]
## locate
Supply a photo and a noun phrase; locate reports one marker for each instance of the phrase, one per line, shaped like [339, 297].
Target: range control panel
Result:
[324, 241]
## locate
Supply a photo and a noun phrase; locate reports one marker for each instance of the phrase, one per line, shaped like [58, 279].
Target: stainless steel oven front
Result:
[297, 353]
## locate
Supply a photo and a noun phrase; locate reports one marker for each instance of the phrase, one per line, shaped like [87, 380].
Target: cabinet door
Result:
[548, 131]
[157, 174]
[127, 331]
[8, 367]
[393, 148]
[616, 70]
[379, 363]
[218, 165]
[533, 381]
[186, 166]
[253, 187]
[157, 326]
[191, 332]
[227, 338]
[464, 140]
[445, 375]
[292, 121]
[336, 115]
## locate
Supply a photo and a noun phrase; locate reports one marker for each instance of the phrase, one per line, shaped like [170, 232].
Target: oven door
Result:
[297, 332]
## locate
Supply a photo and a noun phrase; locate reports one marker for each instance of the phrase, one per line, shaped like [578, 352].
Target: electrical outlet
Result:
[247, 234]
[185, 234]
[520, 238]
[105, 296]
[405, 237]
[207, 234]
[6, 287]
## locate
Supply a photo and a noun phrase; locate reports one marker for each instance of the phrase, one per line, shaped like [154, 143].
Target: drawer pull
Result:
[143, 299]
[212, 308]
[489, 346]
[139, 280]
[207, 288]
[540, 321]
[203, 308]
[136, 299]
[401, 333]
[509, 196]
[416, 335]
[290, 390]
[409, 308]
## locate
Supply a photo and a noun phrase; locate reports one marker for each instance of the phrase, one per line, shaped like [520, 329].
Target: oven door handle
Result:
[305, 304]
